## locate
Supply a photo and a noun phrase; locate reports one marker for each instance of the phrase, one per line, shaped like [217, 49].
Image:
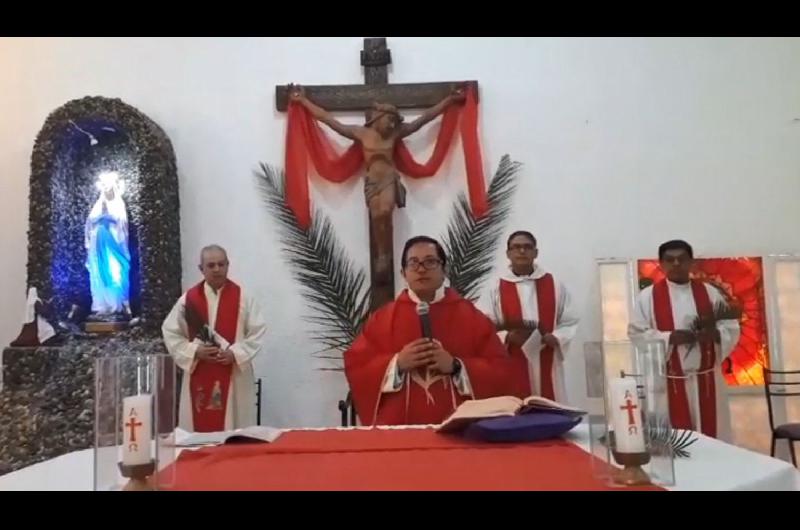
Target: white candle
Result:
[626, 415]
[137, 429]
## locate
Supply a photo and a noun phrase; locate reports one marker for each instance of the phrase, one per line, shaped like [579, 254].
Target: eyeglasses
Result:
[678, 260]
[428, 263]
[524, 247]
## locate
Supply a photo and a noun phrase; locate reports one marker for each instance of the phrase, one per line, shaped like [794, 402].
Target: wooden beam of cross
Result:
[375, 58]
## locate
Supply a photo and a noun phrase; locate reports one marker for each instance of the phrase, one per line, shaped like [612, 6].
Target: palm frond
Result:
[470, 243]
[721, 311]
[664, 439]
[526, 325]
[708, 323]
[334, 286]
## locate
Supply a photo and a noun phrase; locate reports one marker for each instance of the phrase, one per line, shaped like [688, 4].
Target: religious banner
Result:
[741, 281]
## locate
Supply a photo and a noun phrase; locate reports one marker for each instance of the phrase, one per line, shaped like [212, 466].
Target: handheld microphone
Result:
[423, 310]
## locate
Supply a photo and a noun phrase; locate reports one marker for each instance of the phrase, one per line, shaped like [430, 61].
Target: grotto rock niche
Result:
[79, 142]
[48, 390]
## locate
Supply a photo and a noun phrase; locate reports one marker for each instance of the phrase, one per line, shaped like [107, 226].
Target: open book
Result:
[479, 409]
[252, 434]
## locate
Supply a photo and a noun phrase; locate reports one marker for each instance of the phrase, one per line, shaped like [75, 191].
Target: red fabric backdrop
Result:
[305, 139]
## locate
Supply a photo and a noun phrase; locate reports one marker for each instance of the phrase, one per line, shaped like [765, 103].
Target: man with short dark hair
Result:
[398, 375]
[667, 310]
[536, 314]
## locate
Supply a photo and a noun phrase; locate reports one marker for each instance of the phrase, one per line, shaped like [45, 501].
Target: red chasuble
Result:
[464, 332]
[679, 413]
[209, 383]
[512, 313]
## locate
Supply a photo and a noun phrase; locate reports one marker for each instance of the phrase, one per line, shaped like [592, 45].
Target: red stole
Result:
[464, 332]
[679, 411]
[512, 314]
[209, 383]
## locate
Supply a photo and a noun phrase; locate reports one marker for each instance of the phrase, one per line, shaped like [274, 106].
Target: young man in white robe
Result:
[213, 332]
[535, 317]
[666, 310]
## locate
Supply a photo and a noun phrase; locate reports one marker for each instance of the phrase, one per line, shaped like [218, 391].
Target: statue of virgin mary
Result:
[107, 256]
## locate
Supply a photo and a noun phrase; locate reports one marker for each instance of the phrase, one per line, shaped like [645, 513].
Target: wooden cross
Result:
[375, 58]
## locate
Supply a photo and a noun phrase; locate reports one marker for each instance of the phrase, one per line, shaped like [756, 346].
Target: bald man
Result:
[213, 332]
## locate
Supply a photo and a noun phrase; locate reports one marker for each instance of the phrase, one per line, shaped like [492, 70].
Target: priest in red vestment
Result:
[401, 374]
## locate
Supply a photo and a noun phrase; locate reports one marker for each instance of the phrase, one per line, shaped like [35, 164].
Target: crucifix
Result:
[384, 126]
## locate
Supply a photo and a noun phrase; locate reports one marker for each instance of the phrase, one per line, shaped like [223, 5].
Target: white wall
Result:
[626, 142]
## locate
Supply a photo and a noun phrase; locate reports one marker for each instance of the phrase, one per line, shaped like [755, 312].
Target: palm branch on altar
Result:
[663, 439]
[334, 286]
[470, 243]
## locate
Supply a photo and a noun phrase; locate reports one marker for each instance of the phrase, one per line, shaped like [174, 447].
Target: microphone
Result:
[423, 310]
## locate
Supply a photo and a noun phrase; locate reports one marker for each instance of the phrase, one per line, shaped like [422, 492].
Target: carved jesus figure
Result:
[377, 137]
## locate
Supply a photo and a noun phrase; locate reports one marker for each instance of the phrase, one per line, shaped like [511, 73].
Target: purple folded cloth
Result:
[522, 428]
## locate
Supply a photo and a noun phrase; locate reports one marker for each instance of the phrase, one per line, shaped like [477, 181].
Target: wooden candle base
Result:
[139, 476]
[632, 474]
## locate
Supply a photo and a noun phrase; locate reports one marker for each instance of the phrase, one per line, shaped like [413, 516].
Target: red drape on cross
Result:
[305, 139]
